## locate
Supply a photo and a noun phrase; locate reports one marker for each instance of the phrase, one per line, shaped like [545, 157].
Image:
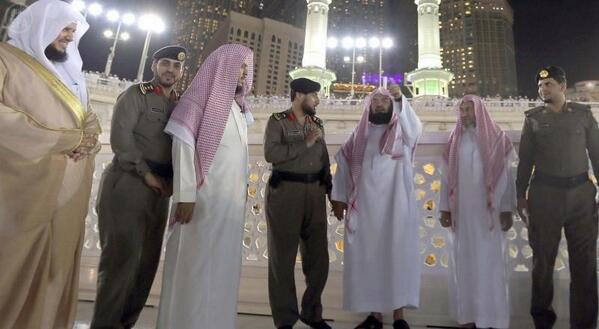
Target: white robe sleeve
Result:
[184, 179]
[444, 194]
[508, 199]
[340, 180]
[410, 123]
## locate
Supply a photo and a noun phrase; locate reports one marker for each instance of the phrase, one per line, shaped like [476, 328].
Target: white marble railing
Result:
[433, 245]
[340, 118]
[419, 104]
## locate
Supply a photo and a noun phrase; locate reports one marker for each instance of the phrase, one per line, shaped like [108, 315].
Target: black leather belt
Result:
[561, 182]
[299, 178]
[278, 176]
[162, 170]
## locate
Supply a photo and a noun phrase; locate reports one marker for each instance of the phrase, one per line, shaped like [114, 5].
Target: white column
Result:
[315, 45]
[429, 43]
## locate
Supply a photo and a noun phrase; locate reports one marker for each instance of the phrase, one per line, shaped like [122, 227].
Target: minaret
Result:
[315, 46]
[429, 78]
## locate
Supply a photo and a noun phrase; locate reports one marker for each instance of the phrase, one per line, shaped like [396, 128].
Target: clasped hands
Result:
[89, 145]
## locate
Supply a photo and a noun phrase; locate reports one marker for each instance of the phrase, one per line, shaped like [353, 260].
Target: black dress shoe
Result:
[400, 324]
[370, 323]
[316, 325]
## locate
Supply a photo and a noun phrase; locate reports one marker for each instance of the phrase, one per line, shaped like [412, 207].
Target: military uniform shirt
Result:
[556, 143]
[140, 116]
[285, 148]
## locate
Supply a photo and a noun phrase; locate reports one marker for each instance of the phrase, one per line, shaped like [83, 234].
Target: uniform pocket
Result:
[294, 139]
[545, 129]
[156, 115]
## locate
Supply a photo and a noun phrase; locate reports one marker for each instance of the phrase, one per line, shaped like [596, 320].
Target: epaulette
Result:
[318, 121]
[534, 111]
[579, 107]
[280, 115]
[146, 87]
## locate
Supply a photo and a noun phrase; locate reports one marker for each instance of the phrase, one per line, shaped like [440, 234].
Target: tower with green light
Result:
[430, 78]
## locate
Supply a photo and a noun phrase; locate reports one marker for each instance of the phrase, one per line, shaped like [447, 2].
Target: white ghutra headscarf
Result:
[38, 26]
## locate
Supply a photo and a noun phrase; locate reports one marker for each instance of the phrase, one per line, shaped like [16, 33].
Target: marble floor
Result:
[245, 321]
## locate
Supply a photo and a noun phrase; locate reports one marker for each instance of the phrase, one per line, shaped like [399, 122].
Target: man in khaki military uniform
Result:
[296, 207]
[134, 193]
[555, 140]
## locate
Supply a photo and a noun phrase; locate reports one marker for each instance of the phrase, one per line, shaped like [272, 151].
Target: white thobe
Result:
[77, 87]
[382, 264]
[203, 258]
[478, 280]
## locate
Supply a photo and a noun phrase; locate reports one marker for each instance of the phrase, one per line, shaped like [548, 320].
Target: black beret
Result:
[304, 86]
[554, 72]
[176, 53]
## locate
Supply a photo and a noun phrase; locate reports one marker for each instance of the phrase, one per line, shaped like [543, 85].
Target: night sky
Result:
[556, 32]
[547, 32]
[95, 48]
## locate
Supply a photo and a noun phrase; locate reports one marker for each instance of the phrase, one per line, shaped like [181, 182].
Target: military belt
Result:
[561, 182]
[278, 176]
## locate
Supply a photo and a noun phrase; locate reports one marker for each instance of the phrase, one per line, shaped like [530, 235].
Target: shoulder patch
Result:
[146, 87]
[534, 111]
[579, 107]
[280, 115]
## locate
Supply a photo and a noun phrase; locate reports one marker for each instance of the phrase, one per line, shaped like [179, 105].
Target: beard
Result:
[56, 55]
[381, 118]
[166, 83]
[468, 124]
[308, 110]
[165, 79]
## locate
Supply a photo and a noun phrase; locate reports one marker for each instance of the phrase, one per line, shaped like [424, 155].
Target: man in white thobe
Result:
[210, 157]
[374, 187]
[477, 199]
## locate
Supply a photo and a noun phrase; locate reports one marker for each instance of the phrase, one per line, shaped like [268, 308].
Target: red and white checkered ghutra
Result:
[201, 115]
